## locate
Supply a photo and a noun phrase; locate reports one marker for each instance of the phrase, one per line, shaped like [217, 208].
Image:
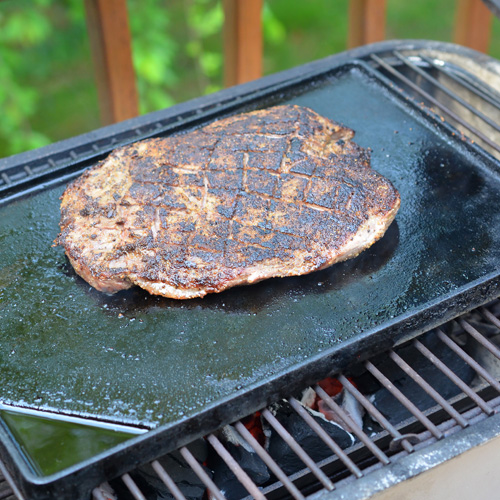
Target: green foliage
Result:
[154, 53]
[273, 29]
[205, 20]
[205, 17]
[25, 28]
[47, 89]
[42, 69]
[19, 31]
[297, 32]
[404, 18]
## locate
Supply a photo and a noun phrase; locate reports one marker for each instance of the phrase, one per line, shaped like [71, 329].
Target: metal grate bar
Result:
[454, 378]
[428, 388]
[474, 414]
[267, 459]
[370, 408]
[132, 487]
[488, 316]
[447, 91]
[480, 338]
[167, 481]
[241, 475]
[5, 491]
[8, 488]
[350, 423]
[403, 399]
[198, 469]
[435, 102]
[290, 441]
[325, 437]
[468, 359]
[474, 87]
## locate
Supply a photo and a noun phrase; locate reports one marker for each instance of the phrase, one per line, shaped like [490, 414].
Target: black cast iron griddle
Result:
[140, 359]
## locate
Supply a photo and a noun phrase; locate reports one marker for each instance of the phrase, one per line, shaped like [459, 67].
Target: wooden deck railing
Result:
[242, 41]
[109, 34]
[473, 25]
[110, 44]
[366, 22]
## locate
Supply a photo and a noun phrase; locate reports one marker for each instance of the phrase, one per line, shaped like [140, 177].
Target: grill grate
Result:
[451, 96]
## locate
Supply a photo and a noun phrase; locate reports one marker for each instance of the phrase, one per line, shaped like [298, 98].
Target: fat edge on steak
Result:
[271, 193]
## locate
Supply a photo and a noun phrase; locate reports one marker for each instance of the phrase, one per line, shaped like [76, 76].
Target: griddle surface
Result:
[136, 358]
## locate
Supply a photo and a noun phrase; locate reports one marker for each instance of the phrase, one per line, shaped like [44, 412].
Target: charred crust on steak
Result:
[271, 193]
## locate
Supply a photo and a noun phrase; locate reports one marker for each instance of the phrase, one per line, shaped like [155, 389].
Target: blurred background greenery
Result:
[47, 89]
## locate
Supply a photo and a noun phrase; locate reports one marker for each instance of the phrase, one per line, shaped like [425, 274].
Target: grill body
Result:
[33, 172]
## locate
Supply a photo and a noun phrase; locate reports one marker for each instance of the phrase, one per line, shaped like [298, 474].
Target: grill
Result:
[447, 88]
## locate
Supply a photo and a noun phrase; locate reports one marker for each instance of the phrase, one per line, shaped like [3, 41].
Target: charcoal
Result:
[181, 473]
[305, 436]
[394, 411]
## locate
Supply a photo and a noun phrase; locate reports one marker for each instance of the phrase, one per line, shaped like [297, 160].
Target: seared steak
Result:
[278, 192]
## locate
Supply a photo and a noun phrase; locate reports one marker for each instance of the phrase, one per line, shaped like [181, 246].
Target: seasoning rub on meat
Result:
[271, 193]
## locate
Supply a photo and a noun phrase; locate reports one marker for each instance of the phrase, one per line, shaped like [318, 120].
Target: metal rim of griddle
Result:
[61, 161]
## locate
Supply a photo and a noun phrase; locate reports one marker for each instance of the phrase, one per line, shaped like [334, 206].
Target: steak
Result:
[271, 193]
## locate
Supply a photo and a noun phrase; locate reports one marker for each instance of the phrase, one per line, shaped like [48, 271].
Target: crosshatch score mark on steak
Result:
[271, 193]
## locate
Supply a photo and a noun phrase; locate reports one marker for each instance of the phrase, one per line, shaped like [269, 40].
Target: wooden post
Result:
[242, 41]
[110, 43]
[366, 22]
[473, 25]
